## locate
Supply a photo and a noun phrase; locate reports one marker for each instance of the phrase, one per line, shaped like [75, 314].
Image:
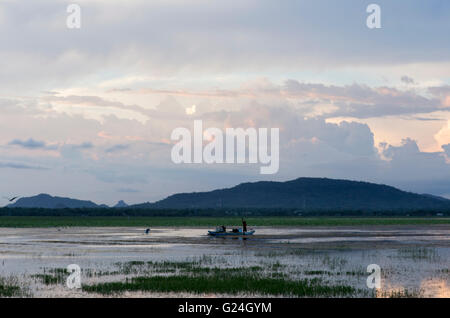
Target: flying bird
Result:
[11, 199]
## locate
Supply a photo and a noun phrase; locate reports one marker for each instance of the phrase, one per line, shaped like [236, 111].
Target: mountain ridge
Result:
[304, 194]
[47, 201]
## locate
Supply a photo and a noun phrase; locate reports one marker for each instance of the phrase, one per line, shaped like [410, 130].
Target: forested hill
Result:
[46, 201]
[305, 194]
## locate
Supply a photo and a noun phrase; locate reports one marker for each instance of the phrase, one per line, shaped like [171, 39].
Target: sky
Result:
[88, 112]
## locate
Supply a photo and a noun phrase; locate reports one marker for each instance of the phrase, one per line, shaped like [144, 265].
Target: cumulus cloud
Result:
[408, 148]
[443, 135]
[309, 147]
[442, 92]
[106, 106]
[32, 144]
[417, 171]
[446, 149]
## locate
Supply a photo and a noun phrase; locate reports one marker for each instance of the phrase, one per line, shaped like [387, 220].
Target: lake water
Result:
[416, 258]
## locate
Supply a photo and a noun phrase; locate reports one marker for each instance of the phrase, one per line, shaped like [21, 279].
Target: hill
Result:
[46, 201]
[121, 204]
[302, 195]
[306, 194]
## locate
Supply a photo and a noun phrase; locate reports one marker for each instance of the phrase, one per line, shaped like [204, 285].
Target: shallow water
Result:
[24, 252]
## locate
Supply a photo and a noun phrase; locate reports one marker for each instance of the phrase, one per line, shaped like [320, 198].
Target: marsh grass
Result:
[52, 276]
[333, 262]
[69, 221]
[57, 276]
[329, 273]
[196, 267]
[418, 254]
[225, 283]
[198, 276]
[401, 293]
[284, 252]
[47, 279]
[9, 287]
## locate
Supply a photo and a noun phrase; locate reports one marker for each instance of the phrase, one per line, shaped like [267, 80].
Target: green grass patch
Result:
[195, 276]
[9, 291]
[66, 221]
[224, 285]
[52, 276]
[188, 267]
[48, 279]
[9, 287]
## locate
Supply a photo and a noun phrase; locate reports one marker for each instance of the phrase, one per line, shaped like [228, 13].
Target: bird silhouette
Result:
[11, 199]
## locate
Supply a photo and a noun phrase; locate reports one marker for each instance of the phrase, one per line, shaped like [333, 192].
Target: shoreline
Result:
[123, 221]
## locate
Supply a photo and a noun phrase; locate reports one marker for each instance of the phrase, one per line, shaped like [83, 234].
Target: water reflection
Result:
[413, 259]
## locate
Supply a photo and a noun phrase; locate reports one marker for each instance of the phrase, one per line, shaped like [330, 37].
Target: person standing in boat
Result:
[244, 226]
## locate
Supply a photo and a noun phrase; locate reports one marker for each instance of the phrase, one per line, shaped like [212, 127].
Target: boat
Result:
[235, 232]
[221, 233]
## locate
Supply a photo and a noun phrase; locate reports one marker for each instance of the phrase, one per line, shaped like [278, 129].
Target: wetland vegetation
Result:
[93, 221]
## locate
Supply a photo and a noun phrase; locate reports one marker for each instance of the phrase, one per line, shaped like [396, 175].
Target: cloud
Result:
[443, 135]
[74, 152]
[406, 166]
[314, 147]
[117, 148]
[442, 92]
[127, 190]
[408, 148]
[446, 149]
[212, 37]
[114, 176]
[32, 144]
[347, 137]
[309, 147]
[83, 100]
[407, 80]
[314, 99]
[65, 149]
[361, 101]
[415, 170]
[191, 110]
[99, 108]
[84, 145]
[20, 166]
[229, 58]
